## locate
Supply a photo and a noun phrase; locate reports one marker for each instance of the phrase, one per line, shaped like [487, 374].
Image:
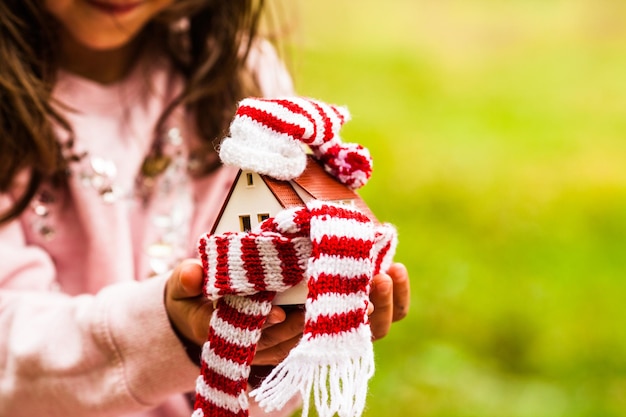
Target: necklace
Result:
[162, 187]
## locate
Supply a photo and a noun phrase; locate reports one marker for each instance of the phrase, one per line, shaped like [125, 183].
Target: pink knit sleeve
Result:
[21, 267]
[103, 355]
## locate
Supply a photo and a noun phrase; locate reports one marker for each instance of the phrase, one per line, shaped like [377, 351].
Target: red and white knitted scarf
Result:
[337, 250]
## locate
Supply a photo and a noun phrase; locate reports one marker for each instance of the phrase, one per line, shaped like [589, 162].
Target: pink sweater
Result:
[83, 330]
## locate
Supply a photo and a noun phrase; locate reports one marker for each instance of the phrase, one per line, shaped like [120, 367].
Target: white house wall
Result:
[305, 196]
[247, 200]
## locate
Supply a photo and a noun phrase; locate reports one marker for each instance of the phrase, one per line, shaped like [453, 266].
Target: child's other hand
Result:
[190, 312]
[390, 298]
[281, 333]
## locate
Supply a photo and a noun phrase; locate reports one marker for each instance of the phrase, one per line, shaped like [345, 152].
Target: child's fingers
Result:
[186, 280]
[200, 314]
[381, 296]
[188, 310]
[277, 353]
[276, 315]
[274, 337]
[401, 290]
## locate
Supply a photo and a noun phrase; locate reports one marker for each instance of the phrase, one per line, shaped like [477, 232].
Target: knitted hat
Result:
[267, 137]
[337, 250]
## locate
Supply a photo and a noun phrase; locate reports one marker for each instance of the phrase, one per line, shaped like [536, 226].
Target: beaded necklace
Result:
[163, 181]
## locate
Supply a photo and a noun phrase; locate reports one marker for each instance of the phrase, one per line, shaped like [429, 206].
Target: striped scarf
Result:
[337, 250]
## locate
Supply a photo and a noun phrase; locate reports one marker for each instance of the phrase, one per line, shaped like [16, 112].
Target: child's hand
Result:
[281, 333]
[190, 312]
[390, 298]
[188, 309]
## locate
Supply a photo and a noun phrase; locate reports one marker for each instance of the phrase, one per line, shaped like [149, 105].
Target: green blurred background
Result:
[497, 129]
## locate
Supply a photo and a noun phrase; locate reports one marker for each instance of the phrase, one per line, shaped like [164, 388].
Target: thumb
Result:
[188, 311]
[186, 280]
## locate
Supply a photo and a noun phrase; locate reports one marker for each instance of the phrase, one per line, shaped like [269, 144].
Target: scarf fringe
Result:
[335, 381]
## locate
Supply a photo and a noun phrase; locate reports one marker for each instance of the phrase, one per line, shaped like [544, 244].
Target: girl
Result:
[108, 113]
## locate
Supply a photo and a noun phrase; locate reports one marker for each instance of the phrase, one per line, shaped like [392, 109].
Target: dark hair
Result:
[208, 54]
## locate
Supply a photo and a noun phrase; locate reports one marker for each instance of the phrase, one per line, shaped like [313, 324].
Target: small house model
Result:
[254, 197]
[267, 143]
[289, 160]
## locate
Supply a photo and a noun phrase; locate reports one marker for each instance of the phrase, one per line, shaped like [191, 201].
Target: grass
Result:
[497, 131]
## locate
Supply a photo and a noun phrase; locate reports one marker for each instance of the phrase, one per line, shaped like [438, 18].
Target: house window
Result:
[249, 179]
[263, 217]
[244, 223]
[349, 203]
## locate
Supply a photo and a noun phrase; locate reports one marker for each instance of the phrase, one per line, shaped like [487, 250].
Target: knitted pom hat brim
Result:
[270, 137]
[253, 146]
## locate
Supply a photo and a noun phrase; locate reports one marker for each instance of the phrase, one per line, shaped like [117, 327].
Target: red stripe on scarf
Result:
[291, 271]
[343, 246]
[222, 276]
[327, 283]
[250, 258]
[211, 409]
[241, 355]
[204, 255]
[238, 318]
[223, 383]
[340, 213]
[381, 257]
[336, 323]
